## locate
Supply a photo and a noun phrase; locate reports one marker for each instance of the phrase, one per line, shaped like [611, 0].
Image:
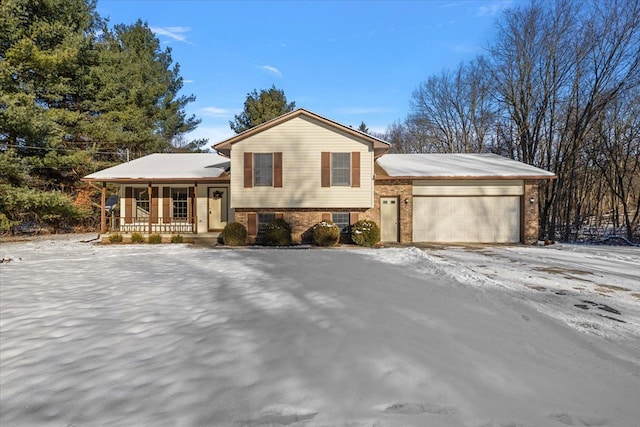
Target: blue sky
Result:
[349, 61]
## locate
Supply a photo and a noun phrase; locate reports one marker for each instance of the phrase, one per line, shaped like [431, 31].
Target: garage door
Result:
[466, 219]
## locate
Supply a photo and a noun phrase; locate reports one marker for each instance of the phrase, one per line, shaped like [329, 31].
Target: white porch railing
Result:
[141, 225]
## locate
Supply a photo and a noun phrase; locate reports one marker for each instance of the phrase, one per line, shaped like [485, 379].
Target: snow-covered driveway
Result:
[180, 336]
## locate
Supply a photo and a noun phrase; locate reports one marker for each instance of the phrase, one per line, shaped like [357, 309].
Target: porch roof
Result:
[166, 166]
[457, 166]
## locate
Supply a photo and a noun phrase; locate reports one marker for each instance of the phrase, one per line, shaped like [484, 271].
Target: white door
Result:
[389, 219]
[467, 219]
[218, 207]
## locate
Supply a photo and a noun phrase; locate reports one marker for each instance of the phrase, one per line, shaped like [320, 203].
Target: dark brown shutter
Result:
[128, 205]
[248, 170]
[325, 166]
[355, 169]
[252, 224]
[277, 169]
[191, 205]
[353, 217]
[153, 205]
[278, 215]
[326, 216]
[166, 205]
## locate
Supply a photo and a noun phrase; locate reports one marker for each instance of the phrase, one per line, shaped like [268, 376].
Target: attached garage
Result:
[463, 198]
[467, 211]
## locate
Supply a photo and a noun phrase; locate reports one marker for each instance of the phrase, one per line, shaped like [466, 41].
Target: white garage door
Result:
[466, 219]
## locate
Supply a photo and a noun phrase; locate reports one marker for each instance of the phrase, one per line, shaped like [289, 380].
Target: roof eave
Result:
[462, 177]
[224, 147]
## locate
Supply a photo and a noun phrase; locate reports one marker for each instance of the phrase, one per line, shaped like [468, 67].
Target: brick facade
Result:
[300, 220]
[530, 215]
[394, 188]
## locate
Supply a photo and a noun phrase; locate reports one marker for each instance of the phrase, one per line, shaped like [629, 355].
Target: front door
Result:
[389, 219]
[218, 207]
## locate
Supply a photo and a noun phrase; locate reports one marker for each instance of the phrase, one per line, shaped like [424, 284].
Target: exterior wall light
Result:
[532, 200]
[406, 201]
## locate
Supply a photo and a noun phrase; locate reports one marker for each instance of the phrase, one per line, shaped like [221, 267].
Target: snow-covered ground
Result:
[179, 336]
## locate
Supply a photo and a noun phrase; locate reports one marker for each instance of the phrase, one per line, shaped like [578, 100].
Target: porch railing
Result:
[141, 225]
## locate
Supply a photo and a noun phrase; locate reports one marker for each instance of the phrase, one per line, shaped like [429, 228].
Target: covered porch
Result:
[165, 194]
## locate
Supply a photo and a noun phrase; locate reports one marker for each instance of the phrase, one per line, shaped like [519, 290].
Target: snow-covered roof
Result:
[457, 165]
[166, 166]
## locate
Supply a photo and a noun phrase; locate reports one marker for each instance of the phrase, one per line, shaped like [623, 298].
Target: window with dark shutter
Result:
[355, 169]
[252, 224]
[325, 168]
[248, 170]
[277, 169]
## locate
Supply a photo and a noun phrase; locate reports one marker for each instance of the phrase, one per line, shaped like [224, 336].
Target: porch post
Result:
[103, 213]
[150, 193]
[195, 207]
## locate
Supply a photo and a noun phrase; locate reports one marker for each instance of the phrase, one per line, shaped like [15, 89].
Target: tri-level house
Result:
[305, 168]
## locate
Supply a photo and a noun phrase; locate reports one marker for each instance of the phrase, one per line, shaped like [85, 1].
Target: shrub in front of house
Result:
[277, 233]
[234, 234]
[155, 238]
[365, 233]
[176, 238]
[325, 233]
[137, 238]
[115, 238]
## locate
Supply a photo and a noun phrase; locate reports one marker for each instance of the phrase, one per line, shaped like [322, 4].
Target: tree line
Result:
[77, 95]
[558, 88]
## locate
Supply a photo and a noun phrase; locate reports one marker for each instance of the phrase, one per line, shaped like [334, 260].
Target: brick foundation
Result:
[300, 220]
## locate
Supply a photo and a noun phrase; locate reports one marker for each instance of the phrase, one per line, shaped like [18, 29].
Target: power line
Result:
[35, 147]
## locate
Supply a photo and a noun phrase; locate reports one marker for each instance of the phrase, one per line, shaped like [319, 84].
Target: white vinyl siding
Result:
[302, 141]
[468, 187]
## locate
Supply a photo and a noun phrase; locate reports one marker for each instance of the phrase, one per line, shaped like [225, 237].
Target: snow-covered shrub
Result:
[277, 233]
[155, 238]
[365, 233]
[325, 233]
[115, 238]
[137, 238]
[234, 234]
[176, 238]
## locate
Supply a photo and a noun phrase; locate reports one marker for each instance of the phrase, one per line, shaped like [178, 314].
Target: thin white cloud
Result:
[451, 4]
[215, 112]
[176, 33]
[493, 8]
[270, 69]
[360, 110]
[188, 81]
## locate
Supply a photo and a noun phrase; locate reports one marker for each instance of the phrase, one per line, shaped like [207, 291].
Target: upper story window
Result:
[263, 169]
[341, 169]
